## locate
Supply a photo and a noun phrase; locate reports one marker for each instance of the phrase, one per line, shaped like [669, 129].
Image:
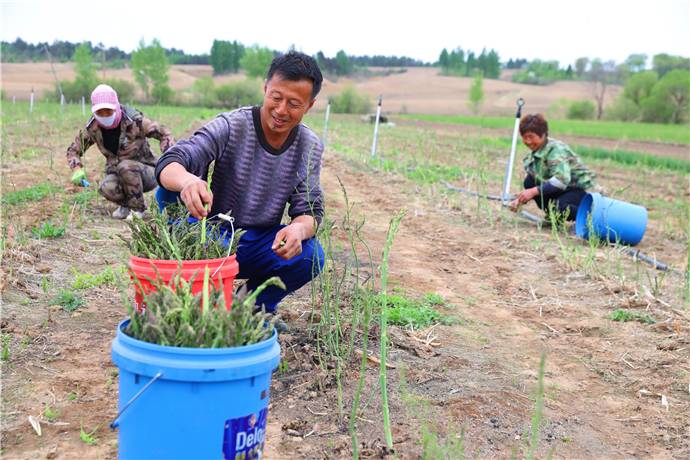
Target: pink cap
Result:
[104, 97]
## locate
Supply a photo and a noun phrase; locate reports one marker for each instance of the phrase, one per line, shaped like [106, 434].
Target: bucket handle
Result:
[231, 220]
[115, 423]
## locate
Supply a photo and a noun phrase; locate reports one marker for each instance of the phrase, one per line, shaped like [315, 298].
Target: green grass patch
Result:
[414, 313]
[29, 194]
[108, 277]
[635, 158]
[48, 230]
[83, 198]
[433, 447]
[629, 315]
[677, 134]
[429, 174]
[68, 300]
[421, 173]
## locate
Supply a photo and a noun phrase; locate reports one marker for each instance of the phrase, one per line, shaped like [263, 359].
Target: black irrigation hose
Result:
[636, 254]
[481, 195]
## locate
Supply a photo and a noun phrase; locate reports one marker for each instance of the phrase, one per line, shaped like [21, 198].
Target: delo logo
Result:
[244, 437]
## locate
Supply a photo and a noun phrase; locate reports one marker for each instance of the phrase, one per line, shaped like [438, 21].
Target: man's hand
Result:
[195, 195]
[288, 241]
[78, 176]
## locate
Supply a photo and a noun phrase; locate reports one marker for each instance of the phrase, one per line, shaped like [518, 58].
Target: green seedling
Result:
[538, 413]
[48, 230]
[87, 438]
[50, 414]
[383, 376]
[628, 315]
[433, 448]
[45, 284]
[6, 347]
[283, 366]
[72, 396]
[68, 300]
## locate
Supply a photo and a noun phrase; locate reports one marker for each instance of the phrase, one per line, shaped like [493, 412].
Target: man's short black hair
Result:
[296, 66]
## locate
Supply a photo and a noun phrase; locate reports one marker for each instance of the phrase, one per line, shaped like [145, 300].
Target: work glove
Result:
[79, 178]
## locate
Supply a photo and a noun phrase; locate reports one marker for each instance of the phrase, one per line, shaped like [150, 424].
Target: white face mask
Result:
[106, 122]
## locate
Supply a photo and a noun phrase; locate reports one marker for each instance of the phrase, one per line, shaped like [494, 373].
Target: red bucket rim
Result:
[226, 267]
[148, 261]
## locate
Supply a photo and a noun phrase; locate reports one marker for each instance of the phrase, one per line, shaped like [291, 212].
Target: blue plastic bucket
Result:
[612, 220]
[196, 403]
[165, 197]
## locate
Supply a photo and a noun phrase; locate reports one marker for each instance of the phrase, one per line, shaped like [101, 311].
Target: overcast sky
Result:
[560, 30]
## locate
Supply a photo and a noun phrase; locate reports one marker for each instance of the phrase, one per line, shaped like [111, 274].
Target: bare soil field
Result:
[516, 290]
[417, 90]
[423, 90]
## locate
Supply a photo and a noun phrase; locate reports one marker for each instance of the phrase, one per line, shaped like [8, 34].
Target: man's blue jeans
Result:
[258, 262]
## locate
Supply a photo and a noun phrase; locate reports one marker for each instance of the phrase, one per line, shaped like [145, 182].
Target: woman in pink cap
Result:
[121, 133]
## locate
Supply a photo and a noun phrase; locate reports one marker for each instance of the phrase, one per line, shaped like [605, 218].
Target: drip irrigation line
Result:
[529, 216]
[481, 195]
[636, 254]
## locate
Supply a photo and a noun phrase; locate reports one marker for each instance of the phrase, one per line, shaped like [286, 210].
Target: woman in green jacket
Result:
[556, 177]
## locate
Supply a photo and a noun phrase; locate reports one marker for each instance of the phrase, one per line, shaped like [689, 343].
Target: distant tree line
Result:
[649, 96]
[225, 56]
[342, 64]
[150, 65]
[338, 65]
[539, 72]
[387, 61]
[61, 51]
[516, 63]
[176, 56]
[460, 63]
[658, 95]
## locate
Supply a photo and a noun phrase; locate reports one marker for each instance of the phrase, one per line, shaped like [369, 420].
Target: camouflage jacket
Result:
[134, 129]
[556, 166]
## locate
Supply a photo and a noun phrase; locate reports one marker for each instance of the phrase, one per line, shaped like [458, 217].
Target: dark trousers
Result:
[258, 262]
[565, 202]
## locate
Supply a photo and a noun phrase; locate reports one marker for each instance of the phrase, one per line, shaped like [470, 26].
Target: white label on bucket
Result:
[244, 437]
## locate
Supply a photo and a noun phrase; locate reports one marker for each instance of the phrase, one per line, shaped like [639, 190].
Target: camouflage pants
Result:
[127, 185]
